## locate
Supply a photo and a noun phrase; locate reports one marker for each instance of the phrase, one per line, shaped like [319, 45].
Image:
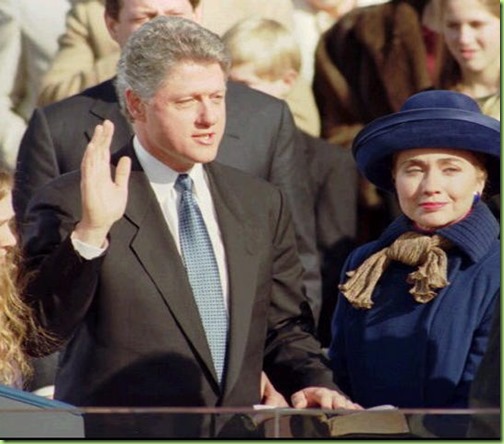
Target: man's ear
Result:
[111, 24]
[135, 105]
[286, 83]
[198, 14]
[290, 77]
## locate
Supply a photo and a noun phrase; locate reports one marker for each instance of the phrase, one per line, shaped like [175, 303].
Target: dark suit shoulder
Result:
[103, 92]
[324, 156]
[318, 145]
[250, 100]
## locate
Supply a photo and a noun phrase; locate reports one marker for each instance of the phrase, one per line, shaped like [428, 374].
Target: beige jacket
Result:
[28, 42]
[304, 109]
[87, 54]
[220, 15]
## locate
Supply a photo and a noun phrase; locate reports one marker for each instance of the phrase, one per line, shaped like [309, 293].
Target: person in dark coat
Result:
[148, 319]
[266, 56]
[415, 306]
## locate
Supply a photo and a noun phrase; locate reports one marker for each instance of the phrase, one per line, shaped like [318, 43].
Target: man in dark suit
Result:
[260, 136]
[113, 277]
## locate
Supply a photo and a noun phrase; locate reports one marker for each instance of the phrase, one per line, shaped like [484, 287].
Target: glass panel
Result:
[169, 423]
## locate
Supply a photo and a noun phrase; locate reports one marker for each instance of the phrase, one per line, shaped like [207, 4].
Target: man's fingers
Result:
[299, 400]
[102, 139]
[340, 402]
[322, 398]
[326, 399]
[107, 134]
[108, 128]
[123, 172]
[97, 136]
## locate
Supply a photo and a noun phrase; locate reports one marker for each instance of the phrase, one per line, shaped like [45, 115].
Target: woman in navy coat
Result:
[415, 305]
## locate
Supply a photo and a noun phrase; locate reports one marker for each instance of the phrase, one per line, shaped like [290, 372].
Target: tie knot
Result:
[183, 183]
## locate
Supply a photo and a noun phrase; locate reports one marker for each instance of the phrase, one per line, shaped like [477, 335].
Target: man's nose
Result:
[208, 115]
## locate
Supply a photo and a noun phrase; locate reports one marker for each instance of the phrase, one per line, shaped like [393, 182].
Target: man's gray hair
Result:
[158, 46]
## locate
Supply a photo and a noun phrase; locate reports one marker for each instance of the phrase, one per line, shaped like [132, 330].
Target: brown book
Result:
[369, 422]
[372, 423]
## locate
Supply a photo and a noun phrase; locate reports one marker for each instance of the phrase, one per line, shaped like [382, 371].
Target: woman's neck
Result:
[480, 84]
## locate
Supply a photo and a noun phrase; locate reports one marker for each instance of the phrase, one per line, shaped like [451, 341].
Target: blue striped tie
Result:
[203, 272]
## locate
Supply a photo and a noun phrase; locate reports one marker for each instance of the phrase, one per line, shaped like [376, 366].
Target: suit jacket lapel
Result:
[239, 243]
[155, 248]
[106, 106]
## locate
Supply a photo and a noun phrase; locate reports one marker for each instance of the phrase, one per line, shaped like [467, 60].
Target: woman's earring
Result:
[476, 197]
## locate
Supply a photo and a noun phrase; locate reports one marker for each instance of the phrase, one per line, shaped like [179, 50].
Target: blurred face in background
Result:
[436, 187]
[134, 13]
[279, 88]
[471, 30]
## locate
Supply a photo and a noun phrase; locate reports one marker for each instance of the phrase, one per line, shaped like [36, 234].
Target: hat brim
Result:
[375, 145]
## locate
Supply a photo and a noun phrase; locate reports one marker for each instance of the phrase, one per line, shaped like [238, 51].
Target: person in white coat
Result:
[28, 41]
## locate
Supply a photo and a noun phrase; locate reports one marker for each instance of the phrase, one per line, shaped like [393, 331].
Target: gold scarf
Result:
[411, 248]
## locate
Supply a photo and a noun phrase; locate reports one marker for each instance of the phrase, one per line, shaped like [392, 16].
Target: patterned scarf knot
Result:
[411, 248]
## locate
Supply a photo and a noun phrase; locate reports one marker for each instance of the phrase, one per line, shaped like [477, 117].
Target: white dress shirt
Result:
[162, 180]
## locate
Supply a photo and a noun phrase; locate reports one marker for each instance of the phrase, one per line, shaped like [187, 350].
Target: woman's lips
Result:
[467, 54]
[432, 206]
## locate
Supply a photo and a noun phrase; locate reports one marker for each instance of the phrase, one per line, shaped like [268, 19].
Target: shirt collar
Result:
[161, 175]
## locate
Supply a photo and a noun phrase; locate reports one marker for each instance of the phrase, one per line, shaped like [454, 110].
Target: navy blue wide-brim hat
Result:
[429, 119]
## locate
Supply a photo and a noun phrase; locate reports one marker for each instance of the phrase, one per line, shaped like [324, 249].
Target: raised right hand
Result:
[103, 198]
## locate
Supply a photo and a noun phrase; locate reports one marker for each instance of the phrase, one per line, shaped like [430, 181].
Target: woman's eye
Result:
[413, 170]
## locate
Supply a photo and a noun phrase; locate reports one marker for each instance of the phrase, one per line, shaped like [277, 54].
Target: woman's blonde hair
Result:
[18, 327]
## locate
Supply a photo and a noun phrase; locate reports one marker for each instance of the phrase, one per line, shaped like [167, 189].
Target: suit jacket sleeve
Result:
[293, 356]
[36, 163]
[290, 173]
[87, 54]
[63, 284]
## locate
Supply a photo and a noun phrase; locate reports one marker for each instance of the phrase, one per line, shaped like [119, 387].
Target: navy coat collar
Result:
[473, 235]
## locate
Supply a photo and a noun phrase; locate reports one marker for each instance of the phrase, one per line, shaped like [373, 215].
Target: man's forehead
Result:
[164, 4]
[194, 69]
